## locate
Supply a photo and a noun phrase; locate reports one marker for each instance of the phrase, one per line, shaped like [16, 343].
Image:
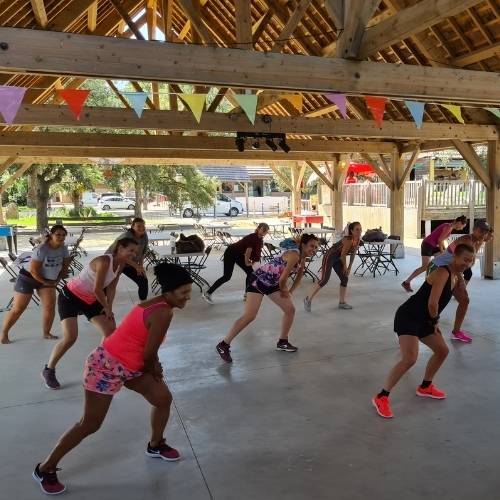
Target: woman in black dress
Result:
[418, 319]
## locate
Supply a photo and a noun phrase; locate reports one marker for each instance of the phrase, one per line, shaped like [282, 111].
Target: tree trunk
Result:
[145, 201]
[32, 186]
[75, 199]
[42, 197]
[138, 196]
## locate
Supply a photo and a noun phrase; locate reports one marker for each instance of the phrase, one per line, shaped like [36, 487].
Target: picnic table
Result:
[377, 257]
[156, 237]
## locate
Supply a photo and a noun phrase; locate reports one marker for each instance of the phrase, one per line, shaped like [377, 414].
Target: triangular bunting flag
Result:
[377, 107]
[340, 101]
[456, 111]
[195, 102]
[495, 111]
[75, 99]
[10, 101]
[296, 100]
[248, 103]
[137, 101]
[417, 111]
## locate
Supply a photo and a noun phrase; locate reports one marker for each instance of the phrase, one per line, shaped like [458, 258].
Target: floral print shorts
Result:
[105, 374]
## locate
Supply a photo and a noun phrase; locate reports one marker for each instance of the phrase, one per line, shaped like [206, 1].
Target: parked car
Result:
[117, 202]
[107, 195]
[89, 199]
[223, 206]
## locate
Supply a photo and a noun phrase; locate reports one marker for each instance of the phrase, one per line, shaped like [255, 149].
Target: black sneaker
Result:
[49, 376]
[284, 345]
[48, 481]
[163, 451]
[224, 352]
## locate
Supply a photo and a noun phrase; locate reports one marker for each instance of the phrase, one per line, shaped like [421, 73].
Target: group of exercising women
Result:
[128, 354]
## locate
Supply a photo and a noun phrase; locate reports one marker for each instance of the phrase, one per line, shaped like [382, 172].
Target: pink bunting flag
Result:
[75, 99]
[10, 101]
[340, 101]
[377, 107]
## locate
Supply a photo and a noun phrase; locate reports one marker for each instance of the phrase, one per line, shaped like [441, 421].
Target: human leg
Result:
[21, 301]
[460, 293]
[48, 298]
[286, 305]
[252, 306]
[425, 264]
[140, 280]
[70, 334]
[439, 353]
[229, 261]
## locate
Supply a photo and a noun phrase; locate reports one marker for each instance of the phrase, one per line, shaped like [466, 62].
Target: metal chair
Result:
[13, 277]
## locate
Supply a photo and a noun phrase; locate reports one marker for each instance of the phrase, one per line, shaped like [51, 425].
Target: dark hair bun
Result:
[171, 276]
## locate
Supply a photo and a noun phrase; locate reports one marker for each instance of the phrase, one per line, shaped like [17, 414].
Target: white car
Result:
[117, 202]
[223, 206]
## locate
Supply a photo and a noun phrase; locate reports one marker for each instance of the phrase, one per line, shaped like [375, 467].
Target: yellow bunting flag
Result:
[456, 111]
[195, 102]
[248, 103]
[296, 100]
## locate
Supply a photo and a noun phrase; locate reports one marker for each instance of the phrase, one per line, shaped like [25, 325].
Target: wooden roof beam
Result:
[243, 24]
[335, 9]
[44, 52]
[291, 25]
[472, 159]
[477, 55]
[192, 11]
[92, 17]
[411, 21]
[109, 117]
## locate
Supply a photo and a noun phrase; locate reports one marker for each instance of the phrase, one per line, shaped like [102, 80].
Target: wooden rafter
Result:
[40, 13]
[472, 159]
[379, 171]
[108, 117]
[283, 178]
[408, 168]
[321, 175]
[477, 55]
[335, 9]
[291, 25]
[243, 23]
[192, 10]
[77, 55]
[92, 17]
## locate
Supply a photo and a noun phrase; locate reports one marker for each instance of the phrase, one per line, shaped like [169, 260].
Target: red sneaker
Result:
[48, 481]
[163, 451]
[383, 406]
[430, 392]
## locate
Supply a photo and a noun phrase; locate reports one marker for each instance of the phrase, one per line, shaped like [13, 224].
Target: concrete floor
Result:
[273, 425]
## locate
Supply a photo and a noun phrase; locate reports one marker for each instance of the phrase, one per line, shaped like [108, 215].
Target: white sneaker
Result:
[207, 298]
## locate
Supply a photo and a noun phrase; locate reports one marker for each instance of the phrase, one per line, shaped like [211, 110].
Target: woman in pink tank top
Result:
[128, 357]
[90, 293]
[434, 244]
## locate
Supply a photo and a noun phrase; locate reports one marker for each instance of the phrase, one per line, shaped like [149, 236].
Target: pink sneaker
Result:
[461, 336]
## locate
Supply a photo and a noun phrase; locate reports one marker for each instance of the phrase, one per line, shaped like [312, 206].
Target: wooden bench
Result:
[90, 221]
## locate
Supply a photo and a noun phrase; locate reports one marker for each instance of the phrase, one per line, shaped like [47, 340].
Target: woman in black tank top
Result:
[418, 319]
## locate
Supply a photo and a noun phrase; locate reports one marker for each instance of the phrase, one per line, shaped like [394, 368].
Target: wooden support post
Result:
[397, 200]
[492, 250]
[296, 191]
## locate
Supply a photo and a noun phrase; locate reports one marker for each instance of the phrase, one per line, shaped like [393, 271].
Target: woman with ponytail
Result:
[49, 263]
[271, 279]
[335, 258]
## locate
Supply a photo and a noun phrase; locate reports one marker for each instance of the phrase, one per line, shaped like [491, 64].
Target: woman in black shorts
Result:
[90, 293]
[271, 279]
[48, 264]
[417, 319]
[335, 258]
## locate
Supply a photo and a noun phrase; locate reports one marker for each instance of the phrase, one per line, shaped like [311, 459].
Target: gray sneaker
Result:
[307, 304]
[344, 305]
[49, 376]
[207, 298]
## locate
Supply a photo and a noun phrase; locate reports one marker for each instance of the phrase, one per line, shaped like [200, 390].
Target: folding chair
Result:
[13, 277]
[195, 265]
[269, 251]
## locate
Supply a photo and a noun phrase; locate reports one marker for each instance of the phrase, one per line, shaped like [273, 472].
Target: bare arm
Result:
[248, 254]
[298, 278]
[64, 270]
[157, 324]
[439, 279]
[36, 272]
[444, 236]
[101, 268]
[291, 259]
[346, 248]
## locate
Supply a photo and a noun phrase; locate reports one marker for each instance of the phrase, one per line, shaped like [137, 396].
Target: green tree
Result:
[79, 178]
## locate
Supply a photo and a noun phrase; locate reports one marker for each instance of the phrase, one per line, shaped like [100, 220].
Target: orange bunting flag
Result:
[75, 99]
[195, 102]
[295, 99]
[456, 111]
[377, 107]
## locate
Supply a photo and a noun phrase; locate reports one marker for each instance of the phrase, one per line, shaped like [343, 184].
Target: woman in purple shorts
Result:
[128, 357]
[271, 279]
[434, 244]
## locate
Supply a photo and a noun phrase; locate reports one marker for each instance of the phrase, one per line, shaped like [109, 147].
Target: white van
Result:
[89, 199]
[223, 206]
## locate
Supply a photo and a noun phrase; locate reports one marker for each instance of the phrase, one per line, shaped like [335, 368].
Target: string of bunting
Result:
[11, 99]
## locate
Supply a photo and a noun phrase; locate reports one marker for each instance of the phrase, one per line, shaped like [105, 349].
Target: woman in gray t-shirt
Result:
[49, 263]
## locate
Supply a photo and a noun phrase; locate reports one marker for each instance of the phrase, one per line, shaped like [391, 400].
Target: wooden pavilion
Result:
[441, 52]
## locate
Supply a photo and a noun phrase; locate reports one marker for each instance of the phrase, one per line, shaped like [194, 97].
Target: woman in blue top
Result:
[49, 263]
[271, 279]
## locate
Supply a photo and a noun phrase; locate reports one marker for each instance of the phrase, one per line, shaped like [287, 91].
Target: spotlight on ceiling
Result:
[240, 144]
[270, 143]
[283, 145]
[256, 144]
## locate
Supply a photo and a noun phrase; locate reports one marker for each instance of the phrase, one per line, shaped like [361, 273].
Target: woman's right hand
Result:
[109, 313]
